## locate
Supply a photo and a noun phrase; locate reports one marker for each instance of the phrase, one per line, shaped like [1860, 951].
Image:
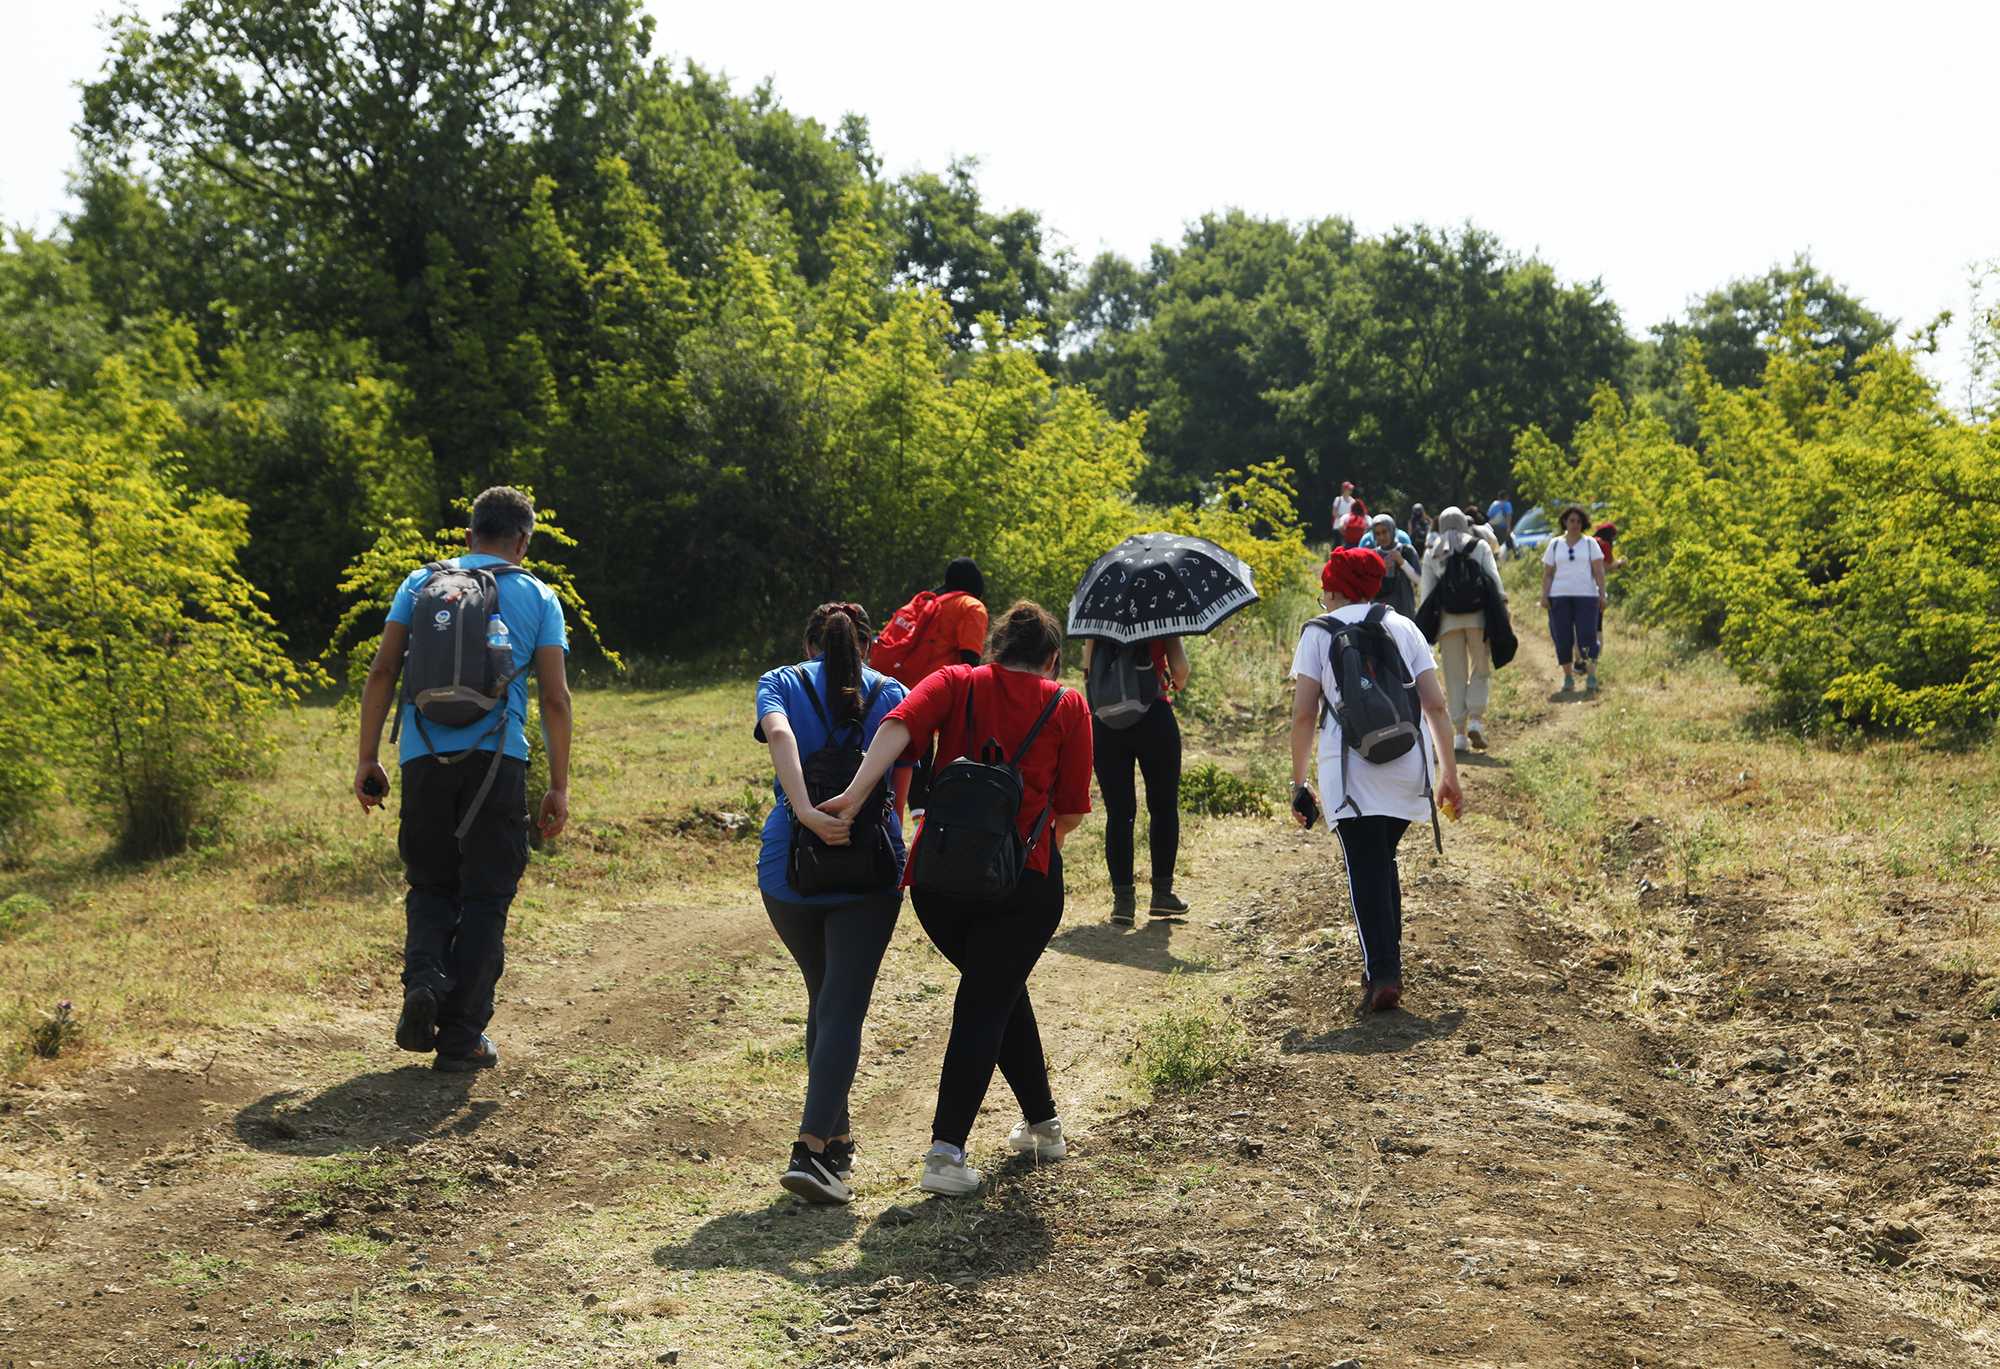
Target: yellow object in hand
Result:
[1450, 807]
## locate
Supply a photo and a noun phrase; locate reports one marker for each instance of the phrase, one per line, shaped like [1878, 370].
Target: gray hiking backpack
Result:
[1122, 683]
[459, 663]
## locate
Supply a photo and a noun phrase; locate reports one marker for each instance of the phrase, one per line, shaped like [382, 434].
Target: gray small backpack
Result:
[459, 663]
[1122, 683]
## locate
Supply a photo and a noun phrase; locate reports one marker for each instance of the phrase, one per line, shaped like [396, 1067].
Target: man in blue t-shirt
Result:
[455, 913]
[1500, 513]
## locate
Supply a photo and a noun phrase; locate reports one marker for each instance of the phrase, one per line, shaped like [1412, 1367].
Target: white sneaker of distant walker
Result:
[1458, 742]
[1043, 1140]
[948, 1174]
[1476, 734]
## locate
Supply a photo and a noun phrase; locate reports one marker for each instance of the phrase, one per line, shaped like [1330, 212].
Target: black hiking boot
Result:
[484, 1058]
[416, 1029]
[1167, 904]
[1124, 904]
[1379, 995]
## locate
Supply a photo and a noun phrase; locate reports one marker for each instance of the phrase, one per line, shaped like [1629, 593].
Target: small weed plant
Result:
[1212, 792]
[55, 1031]
[1185, 1047]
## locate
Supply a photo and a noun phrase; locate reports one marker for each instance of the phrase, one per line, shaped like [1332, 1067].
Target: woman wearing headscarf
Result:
[1399, 564]
[1463, 657]
[1371, 806]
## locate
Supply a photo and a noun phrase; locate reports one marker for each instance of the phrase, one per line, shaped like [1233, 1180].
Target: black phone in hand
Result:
[1306, 806]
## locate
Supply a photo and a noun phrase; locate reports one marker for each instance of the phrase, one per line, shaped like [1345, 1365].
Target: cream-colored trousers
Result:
[1467, 667]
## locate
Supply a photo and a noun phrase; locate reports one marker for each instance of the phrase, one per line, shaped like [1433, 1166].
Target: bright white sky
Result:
[1663, 148]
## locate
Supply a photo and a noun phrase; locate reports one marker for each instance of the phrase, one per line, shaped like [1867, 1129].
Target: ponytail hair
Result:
[840, 633]
[1025, 635]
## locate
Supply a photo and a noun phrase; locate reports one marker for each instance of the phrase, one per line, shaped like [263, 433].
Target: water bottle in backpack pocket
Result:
[970, 845]
[1122, 683]
[867, 864]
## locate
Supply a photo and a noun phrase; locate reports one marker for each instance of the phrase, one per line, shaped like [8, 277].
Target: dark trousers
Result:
[994, 944]
[1154, 743]
[1573, 623]
[838, 947]
[455, 914]
[1376, 890]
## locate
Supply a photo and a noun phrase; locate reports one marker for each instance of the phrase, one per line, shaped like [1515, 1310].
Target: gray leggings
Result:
[839, 948]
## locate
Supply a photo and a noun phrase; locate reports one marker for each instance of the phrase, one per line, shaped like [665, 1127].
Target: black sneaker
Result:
[840, 1156]
[1379, 995]
[812, 1177]
[485, 1058]
[416, 1029]
[1167, 904]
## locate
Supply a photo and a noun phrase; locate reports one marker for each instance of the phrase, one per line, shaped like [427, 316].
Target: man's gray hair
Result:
[502, 514]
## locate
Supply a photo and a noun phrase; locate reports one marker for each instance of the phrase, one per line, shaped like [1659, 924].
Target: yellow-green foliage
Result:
[1253, 515]
[1835, 541]
[133, 656]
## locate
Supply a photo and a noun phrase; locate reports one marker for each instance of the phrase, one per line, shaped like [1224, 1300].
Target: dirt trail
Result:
[1516, 1171]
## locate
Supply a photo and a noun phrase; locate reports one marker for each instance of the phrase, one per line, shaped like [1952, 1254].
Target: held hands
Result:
[828, 822]
[371, 784]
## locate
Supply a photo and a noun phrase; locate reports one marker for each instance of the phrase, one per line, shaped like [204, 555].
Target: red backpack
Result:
[905, 646]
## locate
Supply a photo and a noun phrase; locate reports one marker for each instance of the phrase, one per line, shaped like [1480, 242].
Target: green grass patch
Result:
[1212, 792]
[1183, 1048]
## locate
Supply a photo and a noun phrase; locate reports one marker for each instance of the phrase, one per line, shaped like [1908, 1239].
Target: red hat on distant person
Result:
[1353, 571]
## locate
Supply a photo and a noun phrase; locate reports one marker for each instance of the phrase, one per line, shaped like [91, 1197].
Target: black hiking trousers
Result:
[455, 914]
[1376, 890]
[995, 944]
[1154, 745]
[839, 948]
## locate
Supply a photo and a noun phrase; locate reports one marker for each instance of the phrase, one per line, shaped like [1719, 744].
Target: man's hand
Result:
[371, 784]
[555, 813]
[828, 828]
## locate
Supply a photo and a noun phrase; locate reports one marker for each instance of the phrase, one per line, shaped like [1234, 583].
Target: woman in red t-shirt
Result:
[994, 943]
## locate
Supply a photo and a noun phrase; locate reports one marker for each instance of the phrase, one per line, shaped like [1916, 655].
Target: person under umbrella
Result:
[1133, 606]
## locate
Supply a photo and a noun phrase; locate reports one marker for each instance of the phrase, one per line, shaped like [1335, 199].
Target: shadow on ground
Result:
[1145, 947]
[1377, 1034]
[400, 1106]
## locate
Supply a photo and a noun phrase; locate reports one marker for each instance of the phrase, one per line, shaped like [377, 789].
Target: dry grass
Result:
[1671, 778]
[299, 907]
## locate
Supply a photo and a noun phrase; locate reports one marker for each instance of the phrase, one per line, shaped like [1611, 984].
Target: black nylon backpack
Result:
[456, 669]
[867, 864]
[1462, 585]
[970, 845]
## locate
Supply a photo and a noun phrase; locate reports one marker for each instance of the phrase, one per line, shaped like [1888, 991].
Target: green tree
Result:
[1736, 327]
[981, 262]
[142, 659]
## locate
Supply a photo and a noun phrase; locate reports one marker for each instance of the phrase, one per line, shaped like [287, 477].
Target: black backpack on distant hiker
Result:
[1122, 683]
[1463, 585]
[457, 668]
[867, 864]
[970, 845]
[1377, 707]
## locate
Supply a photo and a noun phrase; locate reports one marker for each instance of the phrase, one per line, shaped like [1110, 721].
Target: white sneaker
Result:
[1458, 742]
[1476, 735]
[947, 1173]
[1043, 1140]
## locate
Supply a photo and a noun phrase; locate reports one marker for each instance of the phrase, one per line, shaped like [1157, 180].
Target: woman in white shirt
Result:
[1378, 802]
[1573, 594]
[1461, 640]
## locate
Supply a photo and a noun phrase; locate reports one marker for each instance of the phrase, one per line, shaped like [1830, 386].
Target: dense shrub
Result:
[1833, 538]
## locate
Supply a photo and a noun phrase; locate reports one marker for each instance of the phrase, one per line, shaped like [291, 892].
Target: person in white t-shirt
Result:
[1343, 504]
[1573, 594]
[1379, 801]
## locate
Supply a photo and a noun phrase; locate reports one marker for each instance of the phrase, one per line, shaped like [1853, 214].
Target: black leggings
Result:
[994, 945]
[1376, 890]
[839, 948]
[1155, 743]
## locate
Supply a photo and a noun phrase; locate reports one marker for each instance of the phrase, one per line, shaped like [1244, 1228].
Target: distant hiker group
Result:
[961, 725]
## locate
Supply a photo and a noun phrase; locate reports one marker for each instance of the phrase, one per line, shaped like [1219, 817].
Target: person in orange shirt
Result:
[961, 638]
